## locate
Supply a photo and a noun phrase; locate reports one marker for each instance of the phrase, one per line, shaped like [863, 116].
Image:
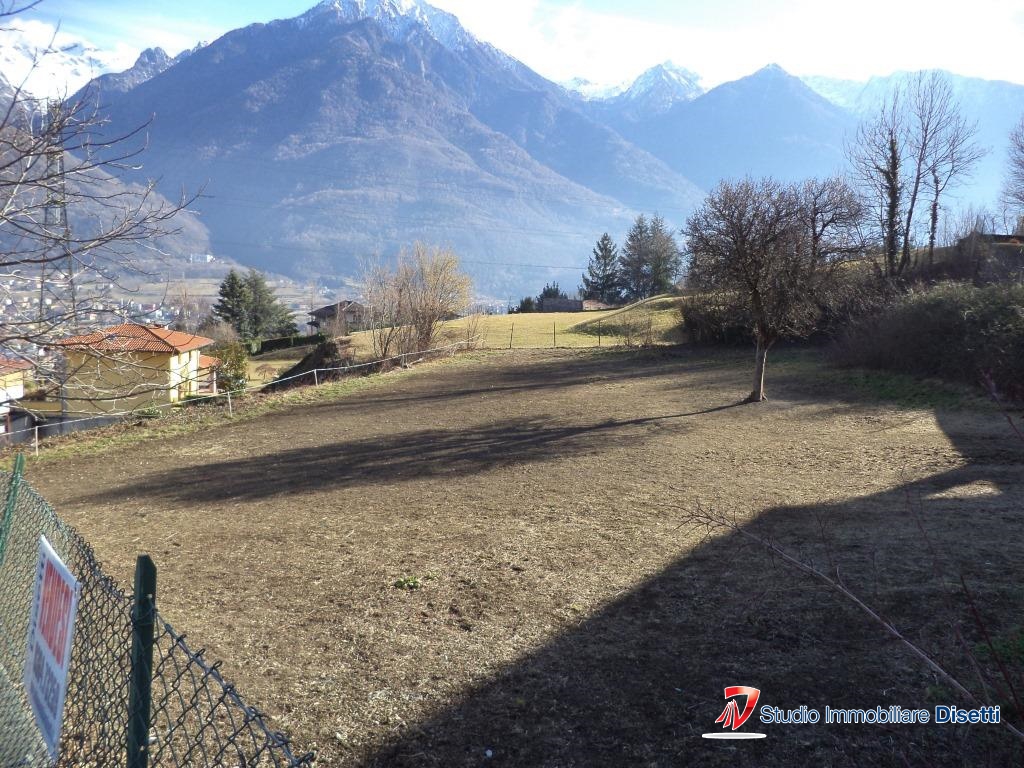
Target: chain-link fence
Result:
[196, 718]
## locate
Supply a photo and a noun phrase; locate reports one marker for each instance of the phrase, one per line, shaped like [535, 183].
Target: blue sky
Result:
[609, 41]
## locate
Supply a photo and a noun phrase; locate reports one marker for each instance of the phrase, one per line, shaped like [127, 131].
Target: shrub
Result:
[233, 373]
[723, 317]
[954, 331]
[716, 318]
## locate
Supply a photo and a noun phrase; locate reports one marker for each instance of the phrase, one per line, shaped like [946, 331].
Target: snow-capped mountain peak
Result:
[397, 17]
[654, 91]
[592, 91]
[50, 63]
[665, 84]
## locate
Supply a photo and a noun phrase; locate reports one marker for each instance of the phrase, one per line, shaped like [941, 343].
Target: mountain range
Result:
[362, 126]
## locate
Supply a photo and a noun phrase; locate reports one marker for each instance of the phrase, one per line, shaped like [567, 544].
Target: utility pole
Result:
[312, 305]
[55, 224]
[55, 214]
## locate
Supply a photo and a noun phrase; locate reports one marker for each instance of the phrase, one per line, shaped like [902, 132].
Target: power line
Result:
[306, 168]
[326, 251]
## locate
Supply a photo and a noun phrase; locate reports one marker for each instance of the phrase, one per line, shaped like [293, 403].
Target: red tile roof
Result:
[132, 337]
[208, 361]
[10, 365]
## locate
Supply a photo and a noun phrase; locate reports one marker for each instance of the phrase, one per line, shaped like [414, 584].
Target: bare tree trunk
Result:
[760, 356]
[934, 221]
[892, 208]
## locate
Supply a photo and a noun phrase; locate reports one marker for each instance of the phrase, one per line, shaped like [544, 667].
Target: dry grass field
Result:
[487, 561]
[654, 321]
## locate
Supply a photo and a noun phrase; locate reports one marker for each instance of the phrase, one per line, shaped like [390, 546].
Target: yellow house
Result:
[12, 388]
[131, 366]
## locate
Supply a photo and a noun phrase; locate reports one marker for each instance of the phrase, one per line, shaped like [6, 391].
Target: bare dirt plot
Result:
[567, 615]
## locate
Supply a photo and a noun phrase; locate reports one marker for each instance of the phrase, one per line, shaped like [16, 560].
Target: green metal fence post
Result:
[12, 500]
[141, 680]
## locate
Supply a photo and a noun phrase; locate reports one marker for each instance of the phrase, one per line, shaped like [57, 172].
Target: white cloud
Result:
[152, 30]
[562, 39]
[731, 38]
[50, 61]
[47, 61]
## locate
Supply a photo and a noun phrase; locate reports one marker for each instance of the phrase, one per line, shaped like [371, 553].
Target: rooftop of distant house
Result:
[13, 365]
[134, 337]
[331, 310]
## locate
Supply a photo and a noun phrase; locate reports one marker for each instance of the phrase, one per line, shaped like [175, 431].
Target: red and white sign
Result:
[50, 628]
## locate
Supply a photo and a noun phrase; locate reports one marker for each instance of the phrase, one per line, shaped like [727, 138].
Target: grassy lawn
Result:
[652, 321]
[264, 369]
[495, 555]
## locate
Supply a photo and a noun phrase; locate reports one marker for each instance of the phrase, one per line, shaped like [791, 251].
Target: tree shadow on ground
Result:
[391, 458]
[568, 369]
[640, 681]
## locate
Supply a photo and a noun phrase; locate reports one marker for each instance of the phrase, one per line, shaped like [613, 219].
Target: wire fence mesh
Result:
[197, 718]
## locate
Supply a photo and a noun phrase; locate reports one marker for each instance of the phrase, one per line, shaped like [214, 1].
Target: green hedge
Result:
[955, 331]
[716, 319]
[261, 347]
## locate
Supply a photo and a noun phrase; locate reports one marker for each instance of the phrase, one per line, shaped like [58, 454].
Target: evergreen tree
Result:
[526, 304]
[664, 258]
[233, 305]
[601, 282]
[650, 260]
[551, 291]
[249, 305]
[268, 317]
[634, 262]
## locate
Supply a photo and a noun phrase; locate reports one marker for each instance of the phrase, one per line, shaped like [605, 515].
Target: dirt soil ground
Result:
[567, 614]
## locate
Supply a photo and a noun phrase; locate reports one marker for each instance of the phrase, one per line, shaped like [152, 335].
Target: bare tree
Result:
[384, 296]
[877, 160]
[831, 215]
[918, 143]
[776, 247]
[1013, 190]
[191, 311]
[952, 155]
[70, 228]
[9, 8]
[439, 290]
[407, 305]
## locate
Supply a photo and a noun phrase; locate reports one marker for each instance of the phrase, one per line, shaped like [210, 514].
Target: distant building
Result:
[127, 367]
[350, 315]
[548, 304]
[12, 388]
